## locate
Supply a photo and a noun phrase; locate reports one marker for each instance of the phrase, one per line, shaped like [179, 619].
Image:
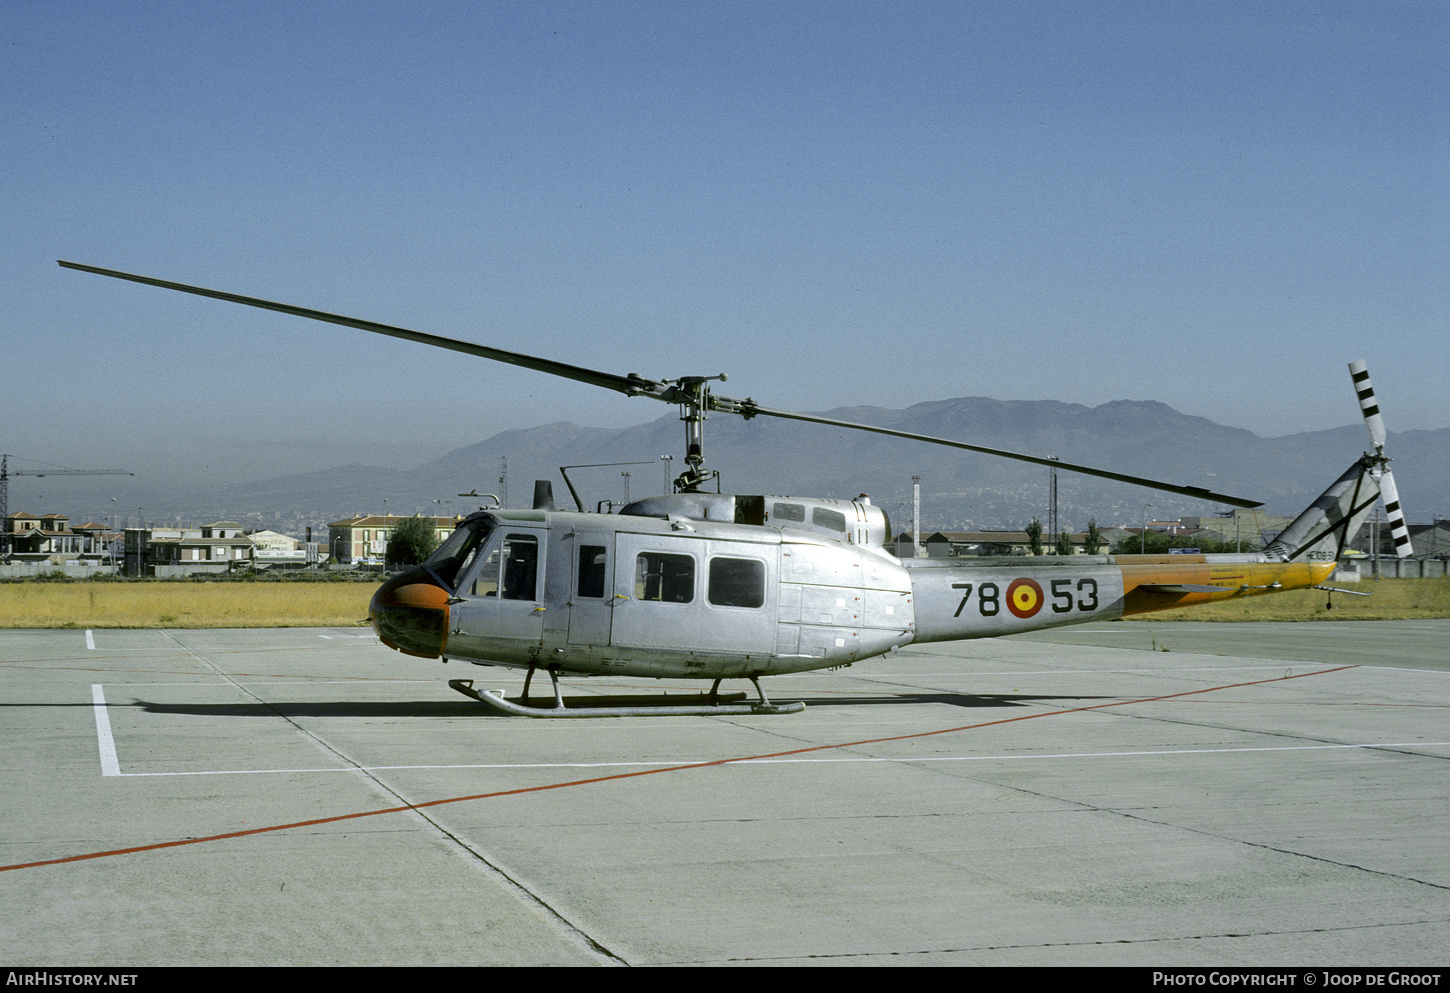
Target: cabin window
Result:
[737, 582]
[664, 577]
[591, 570]
[789, 512]
[833, 520]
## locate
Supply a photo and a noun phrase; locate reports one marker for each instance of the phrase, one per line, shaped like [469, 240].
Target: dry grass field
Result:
[263, 605]
[1389, 600]
[183, 605]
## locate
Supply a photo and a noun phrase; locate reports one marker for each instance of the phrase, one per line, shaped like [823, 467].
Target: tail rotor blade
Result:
[1389, 493]
[1368, 406]
[1398, 531]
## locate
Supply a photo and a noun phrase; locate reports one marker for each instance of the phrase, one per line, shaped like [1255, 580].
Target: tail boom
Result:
[1158, 586]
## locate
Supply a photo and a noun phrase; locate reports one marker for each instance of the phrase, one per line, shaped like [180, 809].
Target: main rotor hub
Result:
[694, 407]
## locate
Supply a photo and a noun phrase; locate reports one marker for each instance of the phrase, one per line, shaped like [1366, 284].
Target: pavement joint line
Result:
[684, 767]
[1139, 815]
[1156, 939]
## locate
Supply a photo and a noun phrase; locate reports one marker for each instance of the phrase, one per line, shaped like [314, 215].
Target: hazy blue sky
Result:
[1212, 204]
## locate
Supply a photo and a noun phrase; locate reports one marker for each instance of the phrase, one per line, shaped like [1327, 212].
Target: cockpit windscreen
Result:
[455, 555]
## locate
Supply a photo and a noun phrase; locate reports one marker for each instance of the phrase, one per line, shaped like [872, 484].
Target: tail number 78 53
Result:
[1024, 597]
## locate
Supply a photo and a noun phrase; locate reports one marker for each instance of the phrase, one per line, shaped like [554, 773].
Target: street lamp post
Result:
[915, 516]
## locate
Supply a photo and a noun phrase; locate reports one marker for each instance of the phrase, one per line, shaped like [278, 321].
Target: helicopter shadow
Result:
[314, 708]
[465, 708]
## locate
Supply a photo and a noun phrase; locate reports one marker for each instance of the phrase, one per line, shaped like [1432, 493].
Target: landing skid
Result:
[712, 704]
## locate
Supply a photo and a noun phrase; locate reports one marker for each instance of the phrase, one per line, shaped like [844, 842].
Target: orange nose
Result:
[410, 613]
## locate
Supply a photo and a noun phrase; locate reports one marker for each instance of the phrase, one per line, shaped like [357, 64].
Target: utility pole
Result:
[1052, 501]
[1374, 543]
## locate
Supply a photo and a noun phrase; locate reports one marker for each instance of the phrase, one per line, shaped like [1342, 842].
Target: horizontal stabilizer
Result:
[1336, 589]
[1185, 588]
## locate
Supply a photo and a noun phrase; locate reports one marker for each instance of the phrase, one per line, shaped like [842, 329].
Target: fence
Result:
[1391, 568]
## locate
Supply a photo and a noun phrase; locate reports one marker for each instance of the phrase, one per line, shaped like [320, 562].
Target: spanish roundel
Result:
[1024, 597]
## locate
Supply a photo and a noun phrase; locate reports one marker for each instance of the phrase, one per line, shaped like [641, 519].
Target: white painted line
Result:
[109, 765]
[860, 759]
[90, 640]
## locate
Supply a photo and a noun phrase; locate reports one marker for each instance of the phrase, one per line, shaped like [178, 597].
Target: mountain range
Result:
[960, 490]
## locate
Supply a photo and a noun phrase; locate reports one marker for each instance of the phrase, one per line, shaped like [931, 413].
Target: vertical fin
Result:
[1330, 523]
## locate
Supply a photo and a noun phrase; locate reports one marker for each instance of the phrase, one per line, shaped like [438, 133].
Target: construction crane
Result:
[5, 475]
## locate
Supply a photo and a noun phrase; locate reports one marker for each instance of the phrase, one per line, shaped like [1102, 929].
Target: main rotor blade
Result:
[1193, 491]
[632, 386]
[638, 386]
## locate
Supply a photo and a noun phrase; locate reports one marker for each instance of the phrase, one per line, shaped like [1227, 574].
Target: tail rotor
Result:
[1389, 493]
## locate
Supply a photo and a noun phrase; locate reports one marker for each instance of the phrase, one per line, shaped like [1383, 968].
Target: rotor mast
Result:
[695, 400]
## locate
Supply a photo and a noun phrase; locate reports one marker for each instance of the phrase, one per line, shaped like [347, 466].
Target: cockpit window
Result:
[456, 554]
[511, 571]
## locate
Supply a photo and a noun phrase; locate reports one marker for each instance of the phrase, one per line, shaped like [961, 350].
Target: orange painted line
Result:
[157, 846]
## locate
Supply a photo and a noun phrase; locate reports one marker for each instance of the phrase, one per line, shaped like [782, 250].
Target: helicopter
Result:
[714, 586]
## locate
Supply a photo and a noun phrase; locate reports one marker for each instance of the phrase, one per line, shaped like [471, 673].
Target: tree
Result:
[1034, 537]
[412, 541]
[1148, 542]
[1158, 543]
[1064, 543]
[1094, 540]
